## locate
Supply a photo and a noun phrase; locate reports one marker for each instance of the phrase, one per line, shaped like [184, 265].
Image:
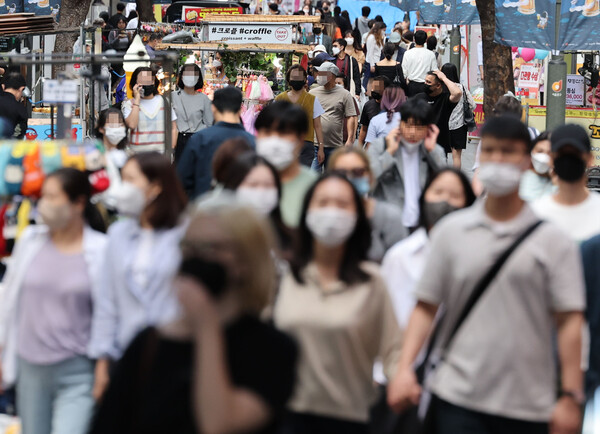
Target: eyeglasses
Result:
[358, 172]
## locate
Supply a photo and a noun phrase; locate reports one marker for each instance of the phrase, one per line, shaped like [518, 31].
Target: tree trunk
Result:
[497, 59]
[145, 10]
[72, 14]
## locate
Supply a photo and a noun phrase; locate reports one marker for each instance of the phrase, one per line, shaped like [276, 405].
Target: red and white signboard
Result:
[529, 76]
[249, 33]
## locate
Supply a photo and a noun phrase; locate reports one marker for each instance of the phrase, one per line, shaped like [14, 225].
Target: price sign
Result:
[575, 90]
[61, 92]
[529, 76]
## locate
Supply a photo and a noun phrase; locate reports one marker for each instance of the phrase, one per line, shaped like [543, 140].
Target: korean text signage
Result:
[193, 15]
[65, 91]
[575, 90]
[248, 33]
[529, 81]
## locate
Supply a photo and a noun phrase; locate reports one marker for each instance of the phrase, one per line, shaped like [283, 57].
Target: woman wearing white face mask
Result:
[354, 47]
[111, 128]
[49, 298]
[192, 107]
[218, 70]
[256, 184]
[142, 258]
[337, 308]
[537, 182]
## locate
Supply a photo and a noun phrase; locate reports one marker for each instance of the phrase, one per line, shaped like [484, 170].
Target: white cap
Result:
[328, 67]
[318, 48]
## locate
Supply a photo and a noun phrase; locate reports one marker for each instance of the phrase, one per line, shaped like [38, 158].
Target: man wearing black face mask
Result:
[372, 107]
[442, 94]
[296, 77]
[573, 208]
[319, 38]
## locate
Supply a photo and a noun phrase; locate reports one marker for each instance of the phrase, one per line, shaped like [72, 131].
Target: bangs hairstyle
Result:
[356, 246]
[252, 243]
[196, 68]
[165, 211]
[103, 118]
[466, 185]
[137, 72]
[418, 110]
[507, 127]
[284, 118]
[295, 67]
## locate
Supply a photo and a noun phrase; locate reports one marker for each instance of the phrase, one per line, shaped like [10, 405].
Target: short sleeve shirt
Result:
[501, 361]
[380, 127]
[442, 109]
[371, 109]
[338, 105]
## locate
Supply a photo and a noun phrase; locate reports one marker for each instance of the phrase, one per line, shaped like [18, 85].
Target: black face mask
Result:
[149, 90]
[317, 31]
[434, 211]
[211, 275]
[297, 84]
[428, 89]
[376, 95]
[569, 167]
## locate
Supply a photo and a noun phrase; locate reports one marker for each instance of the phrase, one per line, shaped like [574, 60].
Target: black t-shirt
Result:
[151, 390]
[371, 109]
[442, 107]
[15, 114]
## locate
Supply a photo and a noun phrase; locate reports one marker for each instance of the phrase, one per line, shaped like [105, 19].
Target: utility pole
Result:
[455, 44]
[557, 82]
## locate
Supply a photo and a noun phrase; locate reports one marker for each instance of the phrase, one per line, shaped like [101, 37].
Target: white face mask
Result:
[277, 151]
[410, 146]
[335, 51]
[322, 80]
[500, 179]
[262, 200]
[331, 226]
[350, 41]
[189, 80]
[217, 63]
[541, 163]
[115, 134]
[131, 200]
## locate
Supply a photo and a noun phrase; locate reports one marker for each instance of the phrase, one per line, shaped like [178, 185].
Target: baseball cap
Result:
[570, 135]
[328, 67]
[395, 38]
[324, 57]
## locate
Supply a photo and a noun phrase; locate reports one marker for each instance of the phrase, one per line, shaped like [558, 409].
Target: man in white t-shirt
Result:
[416, 63]
[573, 207]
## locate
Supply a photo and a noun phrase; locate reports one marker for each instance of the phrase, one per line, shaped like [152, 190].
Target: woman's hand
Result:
[101, 379]
[199, 307]
[136, 92]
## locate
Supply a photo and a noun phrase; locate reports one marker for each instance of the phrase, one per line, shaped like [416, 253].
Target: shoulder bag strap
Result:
[479, 290]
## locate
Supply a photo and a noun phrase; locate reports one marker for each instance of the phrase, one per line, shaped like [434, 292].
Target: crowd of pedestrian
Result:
[311, 278]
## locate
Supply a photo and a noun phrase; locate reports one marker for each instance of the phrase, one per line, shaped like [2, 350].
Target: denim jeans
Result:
[57, 398]
[315, 164]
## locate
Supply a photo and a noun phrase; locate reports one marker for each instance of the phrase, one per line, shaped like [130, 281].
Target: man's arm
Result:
[455, 90]
[351, 124]
[566, 417]
[404, 391]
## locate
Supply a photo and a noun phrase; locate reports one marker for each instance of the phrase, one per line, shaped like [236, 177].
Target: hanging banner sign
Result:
[406, 5]
[192, 15]
[529, 76]
[456, 12]
[575, 90]
[431, 31]
[249, 33]
[579, 22]
[525, 23]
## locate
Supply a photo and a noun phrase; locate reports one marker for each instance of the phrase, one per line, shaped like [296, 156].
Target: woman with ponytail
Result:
[46, 308]
[392, 99]
[389, 67]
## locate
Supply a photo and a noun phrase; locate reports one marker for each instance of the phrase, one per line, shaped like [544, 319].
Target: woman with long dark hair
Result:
[456, 124]
[49, 299]
[193, 108]
[337, 308]
[142, 257]
[354, 47]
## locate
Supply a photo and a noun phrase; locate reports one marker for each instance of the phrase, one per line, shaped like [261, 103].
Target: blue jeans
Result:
[57, 398]
[315, 164]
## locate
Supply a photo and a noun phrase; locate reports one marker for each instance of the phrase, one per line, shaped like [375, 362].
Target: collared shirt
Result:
[134, 295]
[501, 361]
[417, 62]
[412, 187]
[341, 330]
